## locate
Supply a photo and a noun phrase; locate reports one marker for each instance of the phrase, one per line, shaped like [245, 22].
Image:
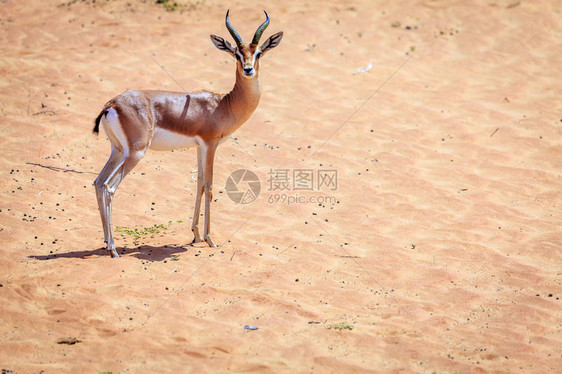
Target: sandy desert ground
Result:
[439, 249]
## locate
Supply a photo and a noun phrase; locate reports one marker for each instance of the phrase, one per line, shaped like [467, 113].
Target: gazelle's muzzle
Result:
[249, 70]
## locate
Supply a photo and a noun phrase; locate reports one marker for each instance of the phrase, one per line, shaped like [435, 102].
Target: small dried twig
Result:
[49, 112]
[56, 168]
[495, 131]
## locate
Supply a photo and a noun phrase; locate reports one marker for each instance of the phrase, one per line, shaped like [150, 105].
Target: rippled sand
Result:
[439, 247]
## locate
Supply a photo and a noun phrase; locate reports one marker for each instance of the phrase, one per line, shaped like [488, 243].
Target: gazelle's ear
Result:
[222, 44]
[272, 42]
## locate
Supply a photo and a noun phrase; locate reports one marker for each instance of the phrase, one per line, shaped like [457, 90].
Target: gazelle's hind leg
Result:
[105, 188]
[120, 163]
[110, 186]
[114, 159]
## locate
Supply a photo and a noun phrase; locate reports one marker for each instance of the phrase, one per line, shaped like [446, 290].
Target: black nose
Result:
[248, 69]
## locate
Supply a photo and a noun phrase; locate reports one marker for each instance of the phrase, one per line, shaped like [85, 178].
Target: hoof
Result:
[210, 242]
[196, 236]
[113, 253]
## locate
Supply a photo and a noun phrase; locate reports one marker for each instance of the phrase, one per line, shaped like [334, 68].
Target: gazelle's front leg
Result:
[208, 156]
[198, 194]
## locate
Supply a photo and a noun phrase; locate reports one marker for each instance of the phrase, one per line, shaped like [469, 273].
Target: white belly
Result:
[165, 140]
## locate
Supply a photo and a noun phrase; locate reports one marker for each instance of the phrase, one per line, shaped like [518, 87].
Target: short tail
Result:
[96, 129]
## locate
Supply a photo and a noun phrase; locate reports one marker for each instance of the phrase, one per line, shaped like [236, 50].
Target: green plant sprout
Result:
[341, 326]
[170, 6]
[139, 233]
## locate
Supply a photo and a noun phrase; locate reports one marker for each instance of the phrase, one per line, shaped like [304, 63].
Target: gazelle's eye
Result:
[258, 55]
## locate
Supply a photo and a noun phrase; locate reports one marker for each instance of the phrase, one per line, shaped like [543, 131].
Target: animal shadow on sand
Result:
[143, 252]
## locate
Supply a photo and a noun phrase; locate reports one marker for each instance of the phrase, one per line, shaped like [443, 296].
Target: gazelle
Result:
[136, 121]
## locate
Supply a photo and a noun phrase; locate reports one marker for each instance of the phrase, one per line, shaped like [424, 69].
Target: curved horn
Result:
[233, 32]
[260, 30]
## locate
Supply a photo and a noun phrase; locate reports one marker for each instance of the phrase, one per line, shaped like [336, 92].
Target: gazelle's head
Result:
[247, 55]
